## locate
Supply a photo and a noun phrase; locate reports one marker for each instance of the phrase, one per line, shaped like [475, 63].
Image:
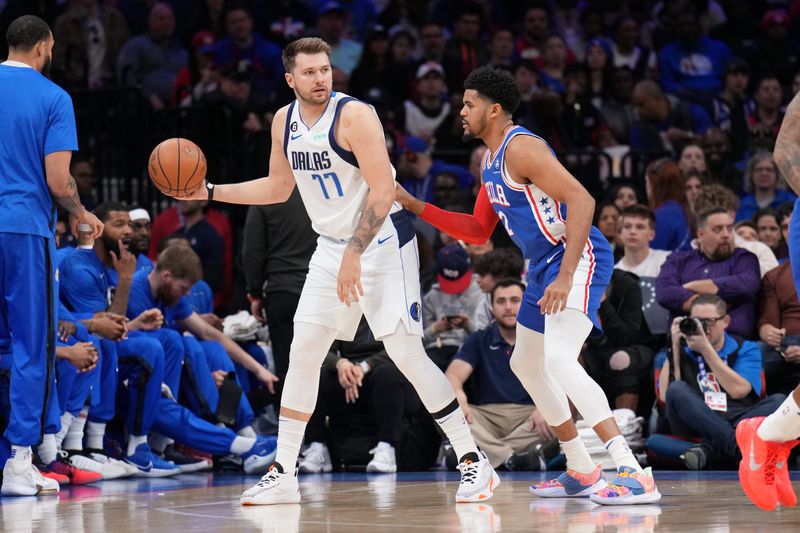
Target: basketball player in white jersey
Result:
[333, 148]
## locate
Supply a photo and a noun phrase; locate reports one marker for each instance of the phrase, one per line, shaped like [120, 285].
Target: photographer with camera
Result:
[710, 382]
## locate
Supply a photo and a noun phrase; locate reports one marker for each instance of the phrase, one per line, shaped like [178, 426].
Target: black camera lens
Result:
[688, 326]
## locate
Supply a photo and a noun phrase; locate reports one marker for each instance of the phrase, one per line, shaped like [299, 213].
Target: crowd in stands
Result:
[695, 90]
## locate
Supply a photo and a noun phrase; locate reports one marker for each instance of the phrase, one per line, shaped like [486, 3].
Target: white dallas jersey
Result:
[327, 175]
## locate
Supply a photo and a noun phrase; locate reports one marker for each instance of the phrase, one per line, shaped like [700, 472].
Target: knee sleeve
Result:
[564, 334]
[310, 345]
[407, 352]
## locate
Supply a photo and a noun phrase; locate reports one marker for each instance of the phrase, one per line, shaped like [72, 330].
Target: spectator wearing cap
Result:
[332, 25]
[90, 35]
[728, 107]
[417, 170]
[465, 51]
[776, 53]
[425, 112]
[199, 77]
[153, 60]
[692, 67]
[449, 305]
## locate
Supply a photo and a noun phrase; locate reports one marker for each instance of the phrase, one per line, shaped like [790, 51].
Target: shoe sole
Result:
[379, 469]
[695, 461]
[194, 467]
[637, 499]
[600, 484]
[285, 498]
[15, 489]
[744, 471]
[158, 473]
[485, 494]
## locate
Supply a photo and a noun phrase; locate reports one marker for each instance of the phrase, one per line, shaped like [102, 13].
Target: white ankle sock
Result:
[578, 457]
[134, 441]
[782, 425]
[21, 453]
[247, 431]
[74, 438]
[242, 445]
[455, 427]
[66, 422]
[621, 453]
[47, 450]
[95, 431]
[290, 438]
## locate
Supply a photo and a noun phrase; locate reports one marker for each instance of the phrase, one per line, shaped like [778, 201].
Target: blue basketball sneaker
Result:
[149, 464]
[260, 455]
[571, 484]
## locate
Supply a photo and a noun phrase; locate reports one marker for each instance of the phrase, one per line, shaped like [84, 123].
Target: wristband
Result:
[210, 191]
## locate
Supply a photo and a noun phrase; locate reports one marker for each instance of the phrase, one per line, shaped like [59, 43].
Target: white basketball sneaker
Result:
[383, 459]
[92, 463]
[315, 459]
[21, 478]
[275, 487]
[478, 479]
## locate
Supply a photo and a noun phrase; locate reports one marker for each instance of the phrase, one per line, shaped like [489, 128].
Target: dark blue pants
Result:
[28, 331]
[141, 365]
[689, 416]
[246, 378]
[174, 353]
[104, 395]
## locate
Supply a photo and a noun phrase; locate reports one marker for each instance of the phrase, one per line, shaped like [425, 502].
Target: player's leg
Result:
[310, 345]
[28, 316]
[141, 365]
[765, 443]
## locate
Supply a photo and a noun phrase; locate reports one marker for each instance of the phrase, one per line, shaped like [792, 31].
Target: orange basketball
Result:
[177, 167]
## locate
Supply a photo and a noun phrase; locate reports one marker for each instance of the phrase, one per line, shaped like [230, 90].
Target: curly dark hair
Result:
[496, 85]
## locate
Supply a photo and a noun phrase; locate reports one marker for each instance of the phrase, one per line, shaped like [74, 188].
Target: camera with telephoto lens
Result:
[688, 326]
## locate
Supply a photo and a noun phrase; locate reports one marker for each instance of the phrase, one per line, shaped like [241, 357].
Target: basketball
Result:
[177, 167]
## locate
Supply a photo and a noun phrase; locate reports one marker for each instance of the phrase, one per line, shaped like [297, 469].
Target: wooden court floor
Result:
[704, 502]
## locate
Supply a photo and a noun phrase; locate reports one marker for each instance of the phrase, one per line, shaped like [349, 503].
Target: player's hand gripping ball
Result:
[177, 167]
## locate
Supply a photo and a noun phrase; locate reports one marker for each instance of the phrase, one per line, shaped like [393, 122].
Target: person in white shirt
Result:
[637, 230]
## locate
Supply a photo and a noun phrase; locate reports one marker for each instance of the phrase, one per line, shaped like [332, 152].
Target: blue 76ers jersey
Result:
[533, 220]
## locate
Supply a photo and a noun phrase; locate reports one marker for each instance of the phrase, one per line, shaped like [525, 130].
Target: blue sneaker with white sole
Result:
[149, 464]
[261, 455]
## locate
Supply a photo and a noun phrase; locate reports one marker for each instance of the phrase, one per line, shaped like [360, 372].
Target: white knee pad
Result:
[310, 345]
[408, 353]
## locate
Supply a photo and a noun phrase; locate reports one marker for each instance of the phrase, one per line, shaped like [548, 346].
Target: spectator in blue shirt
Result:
[243, 47]
[765, 186]
[692, 67]
[505, 424]
[716, 267]
[665, 122]
[710, 382]
[667, 198]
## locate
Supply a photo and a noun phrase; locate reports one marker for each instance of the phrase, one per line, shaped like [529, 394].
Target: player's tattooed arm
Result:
[787, 145]
[369, 224]
[70, 200]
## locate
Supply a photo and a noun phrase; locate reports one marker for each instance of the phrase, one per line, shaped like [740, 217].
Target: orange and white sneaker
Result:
[629, 488]
[783, 485]
[571, 484]
[758, 466]
[478, 479]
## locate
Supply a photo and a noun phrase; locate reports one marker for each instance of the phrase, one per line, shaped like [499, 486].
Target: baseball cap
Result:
[737, 64]
[415, 144]
[428, 67]
[453, 271]
[327, 7]
[775, 17]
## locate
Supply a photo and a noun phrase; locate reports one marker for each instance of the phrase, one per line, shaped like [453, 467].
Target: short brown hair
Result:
[306, 45]
[641, 211]
[710, 299]
[716, 195]
[182, 262]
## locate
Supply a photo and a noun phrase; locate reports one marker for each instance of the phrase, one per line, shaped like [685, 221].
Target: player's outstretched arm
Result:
[530, 159]
[787, 145]
[273, 189]
[474, 229]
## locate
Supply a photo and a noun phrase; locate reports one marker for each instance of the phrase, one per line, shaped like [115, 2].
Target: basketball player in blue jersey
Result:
[766, 442]
[36, 143]
[530, 193]
[332, 147]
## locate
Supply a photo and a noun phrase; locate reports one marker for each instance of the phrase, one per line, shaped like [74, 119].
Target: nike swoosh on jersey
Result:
[753, 464]
[381, 241]
[295, 137]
